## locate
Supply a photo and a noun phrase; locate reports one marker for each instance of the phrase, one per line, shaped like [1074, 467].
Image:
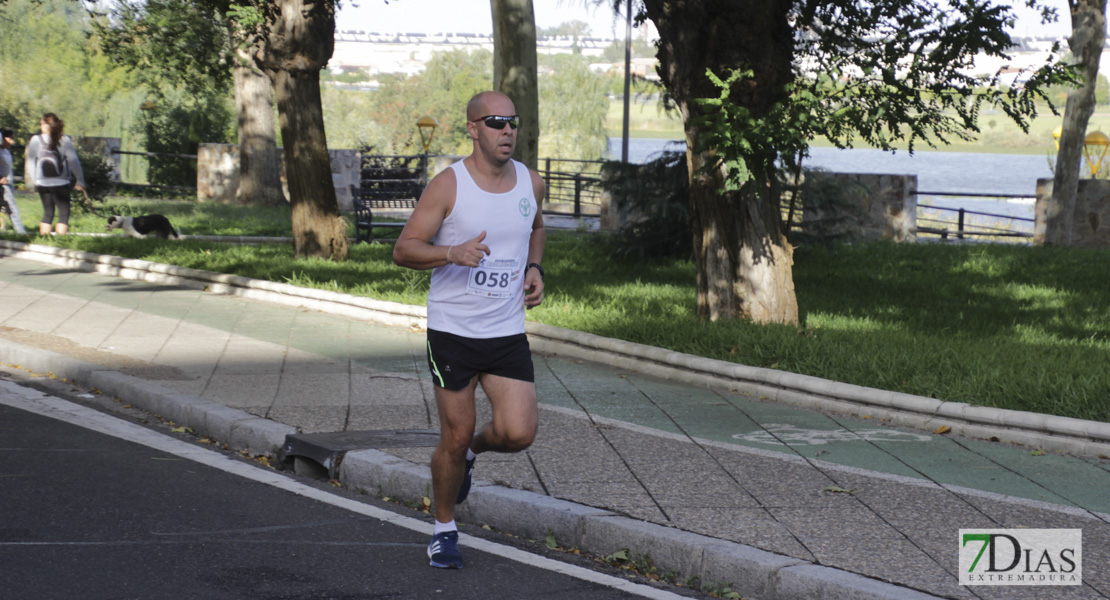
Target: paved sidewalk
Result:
[824, 497]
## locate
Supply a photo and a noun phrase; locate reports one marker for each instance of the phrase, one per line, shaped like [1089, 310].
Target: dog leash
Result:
[89, 204]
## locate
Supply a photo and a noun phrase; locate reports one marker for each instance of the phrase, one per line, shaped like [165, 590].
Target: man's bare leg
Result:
[456, 423]
[514, 423]
[456, 428]
[512, 428]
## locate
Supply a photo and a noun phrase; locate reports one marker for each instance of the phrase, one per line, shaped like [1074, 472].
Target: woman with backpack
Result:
[51, 164]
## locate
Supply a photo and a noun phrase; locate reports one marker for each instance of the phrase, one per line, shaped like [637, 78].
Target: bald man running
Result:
[478, 225]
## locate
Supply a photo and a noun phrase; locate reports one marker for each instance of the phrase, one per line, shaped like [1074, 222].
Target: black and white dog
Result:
[140, 227]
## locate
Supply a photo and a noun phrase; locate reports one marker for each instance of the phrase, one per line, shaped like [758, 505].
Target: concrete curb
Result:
[230, 239]
[239, 429]
[747, 570]
[1054, 433]
[391, 313]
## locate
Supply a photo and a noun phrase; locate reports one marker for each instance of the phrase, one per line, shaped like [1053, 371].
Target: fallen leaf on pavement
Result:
[838, 490]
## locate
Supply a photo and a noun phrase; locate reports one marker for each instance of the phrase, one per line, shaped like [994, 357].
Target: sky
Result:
[473, 16]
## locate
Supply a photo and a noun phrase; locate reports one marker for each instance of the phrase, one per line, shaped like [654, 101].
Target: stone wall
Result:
[218, 173]
[838, 207]
[613, 213]
[346, 171]
[1092, 215]
[850, 207]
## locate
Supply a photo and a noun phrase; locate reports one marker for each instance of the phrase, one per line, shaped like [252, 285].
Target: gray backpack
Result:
[51, 161]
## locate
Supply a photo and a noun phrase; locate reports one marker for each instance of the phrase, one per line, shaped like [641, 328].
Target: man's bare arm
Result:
[414, 248]
[533, 282]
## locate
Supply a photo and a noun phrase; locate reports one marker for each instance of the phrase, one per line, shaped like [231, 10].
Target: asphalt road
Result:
[87, 515]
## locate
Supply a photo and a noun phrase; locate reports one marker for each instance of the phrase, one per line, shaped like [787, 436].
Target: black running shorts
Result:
[455, 360]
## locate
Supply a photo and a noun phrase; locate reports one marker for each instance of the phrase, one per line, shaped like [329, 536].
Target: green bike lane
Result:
[722, 417]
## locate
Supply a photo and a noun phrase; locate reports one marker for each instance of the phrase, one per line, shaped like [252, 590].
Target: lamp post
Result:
[1096, 143]
[627, 81]
[427, 126]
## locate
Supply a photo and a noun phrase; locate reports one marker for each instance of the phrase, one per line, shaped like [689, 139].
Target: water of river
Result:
[1002, 174]
[950, 172]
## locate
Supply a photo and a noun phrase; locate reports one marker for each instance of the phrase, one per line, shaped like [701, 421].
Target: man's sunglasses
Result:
[496, 122]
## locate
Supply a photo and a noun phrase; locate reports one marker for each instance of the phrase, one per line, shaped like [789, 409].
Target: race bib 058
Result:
[494, 278]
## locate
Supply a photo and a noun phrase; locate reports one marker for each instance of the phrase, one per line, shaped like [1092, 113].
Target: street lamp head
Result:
[427, 126]
[1095, 146]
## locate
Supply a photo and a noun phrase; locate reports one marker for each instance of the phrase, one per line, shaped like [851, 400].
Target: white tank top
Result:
[486, 301]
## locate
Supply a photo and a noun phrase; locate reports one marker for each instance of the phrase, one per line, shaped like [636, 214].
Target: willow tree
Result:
[757, 80]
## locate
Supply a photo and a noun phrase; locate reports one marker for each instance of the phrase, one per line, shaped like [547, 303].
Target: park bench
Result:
[384, 195]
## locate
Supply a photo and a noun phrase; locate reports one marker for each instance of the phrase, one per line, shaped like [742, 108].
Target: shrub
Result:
[654, 199]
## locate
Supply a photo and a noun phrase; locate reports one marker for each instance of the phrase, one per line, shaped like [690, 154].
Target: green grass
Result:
[645, 120]
[994, 325]
[189, 217]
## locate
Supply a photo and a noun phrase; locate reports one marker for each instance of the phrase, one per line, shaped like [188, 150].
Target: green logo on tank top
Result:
[525, 207]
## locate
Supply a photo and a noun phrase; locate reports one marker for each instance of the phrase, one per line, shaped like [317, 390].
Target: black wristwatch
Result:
[535, 266]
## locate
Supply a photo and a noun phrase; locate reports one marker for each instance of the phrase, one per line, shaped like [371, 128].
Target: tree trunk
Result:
[318, 230]
[514, 70]
[299, 40]
[259, 161]
[1088, 34]
[744, 261]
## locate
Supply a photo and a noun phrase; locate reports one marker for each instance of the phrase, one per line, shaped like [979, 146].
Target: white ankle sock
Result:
[470, 454]
[444, 527]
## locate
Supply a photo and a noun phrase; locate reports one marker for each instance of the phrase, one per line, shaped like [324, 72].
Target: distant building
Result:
[377, 53]
[406, 53]
[644, 68]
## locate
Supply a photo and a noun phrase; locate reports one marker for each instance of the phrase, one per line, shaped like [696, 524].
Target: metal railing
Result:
[963, 223]
[573, 187]
[181, 189]
[572, 183]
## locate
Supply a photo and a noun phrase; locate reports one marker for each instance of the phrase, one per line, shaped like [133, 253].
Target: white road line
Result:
[39, 403]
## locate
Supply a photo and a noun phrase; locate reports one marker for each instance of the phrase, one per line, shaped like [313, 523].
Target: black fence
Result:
[176, 167]
[573, 186]
[574, 189]
[400, 176]
[961, 222]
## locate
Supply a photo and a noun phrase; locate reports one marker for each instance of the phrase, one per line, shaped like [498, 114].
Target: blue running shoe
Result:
[443, 552]
[464, 490]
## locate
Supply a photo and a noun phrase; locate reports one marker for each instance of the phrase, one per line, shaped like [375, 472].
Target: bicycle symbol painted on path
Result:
[779, 433]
